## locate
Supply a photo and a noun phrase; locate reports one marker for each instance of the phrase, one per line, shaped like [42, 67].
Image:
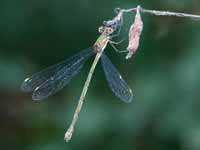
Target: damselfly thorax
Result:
[103, 39]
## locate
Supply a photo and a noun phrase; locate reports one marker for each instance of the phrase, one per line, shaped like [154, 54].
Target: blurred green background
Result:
[164, 75]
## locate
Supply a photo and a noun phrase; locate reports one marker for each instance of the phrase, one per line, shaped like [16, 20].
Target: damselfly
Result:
[49, 81]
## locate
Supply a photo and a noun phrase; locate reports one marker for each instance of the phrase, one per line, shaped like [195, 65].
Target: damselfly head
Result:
[105, 30]
[108, 30]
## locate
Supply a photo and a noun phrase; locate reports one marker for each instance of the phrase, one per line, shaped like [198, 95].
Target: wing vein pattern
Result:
[49, 81]
[115, 81]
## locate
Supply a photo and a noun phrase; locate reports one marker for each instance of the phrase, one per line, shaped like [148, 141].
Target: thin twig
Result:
[70, 130]
[164, 13]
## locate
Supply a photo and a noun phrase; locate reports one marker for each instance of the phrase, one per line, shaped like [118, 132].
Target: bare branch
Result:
[164, 13]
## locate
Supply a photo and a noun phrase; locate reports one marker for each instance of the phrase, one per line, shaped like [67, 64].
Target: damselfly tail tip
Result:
[68, 134]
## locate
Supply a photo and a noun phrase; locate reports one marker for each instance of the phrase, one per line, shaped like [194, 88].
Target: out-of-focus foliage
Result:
[164, 75]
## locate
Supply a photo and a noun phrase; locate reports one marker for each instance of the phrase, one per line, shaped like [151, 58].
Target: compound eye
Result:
[110, 30]
[100, 29]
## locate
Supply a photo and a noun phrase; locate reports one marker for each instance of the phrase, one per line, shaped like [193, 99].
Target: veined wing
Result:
[115, 81]
[54, 78]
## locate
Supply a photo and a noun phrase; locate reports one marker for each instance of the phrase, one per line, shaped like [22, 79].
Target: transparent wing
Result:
[116, 83]
[37, 79]
[54, 78]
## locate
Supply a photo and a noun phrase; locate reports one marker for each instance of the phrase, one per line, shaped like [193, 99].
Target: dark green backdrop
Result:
[164, 76]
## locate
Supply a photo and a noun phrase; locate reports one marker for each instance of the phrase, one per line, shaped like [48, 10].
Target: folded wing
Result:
[115, 81]
[49, 81]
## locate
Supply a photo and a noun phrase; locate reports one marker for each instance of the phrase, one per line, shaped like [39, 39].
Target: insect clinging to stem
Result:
[49, 81]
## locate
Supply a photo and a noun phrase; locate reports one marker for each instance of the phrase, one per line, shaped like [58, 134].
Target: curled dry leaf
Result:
[134, 34]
